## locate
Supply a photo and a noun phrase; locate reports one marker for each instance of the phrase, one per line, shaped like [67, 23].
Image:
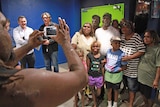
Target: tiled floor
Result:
[138, 100]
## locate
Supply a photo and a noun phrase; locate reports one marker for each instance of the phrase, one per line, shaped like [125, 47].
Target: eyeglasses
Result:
[126, 24]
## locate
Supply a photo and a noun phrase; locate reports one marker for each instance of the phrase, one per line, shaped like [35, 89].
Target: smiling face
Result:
[115, 45]
[22, 21]
[95, 47]
[106, 21]
[87, 28]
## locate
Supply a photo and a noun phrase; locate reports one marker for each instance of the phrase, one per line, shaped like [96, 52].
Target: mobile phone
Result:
[50, 31]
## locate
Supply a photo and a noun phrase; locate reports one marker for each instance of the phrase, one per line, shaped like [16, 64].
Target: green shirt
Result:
[148, 65]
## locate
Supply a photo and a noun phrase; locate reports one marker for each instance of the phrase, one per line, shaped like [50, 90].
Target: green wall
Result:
[86, 13]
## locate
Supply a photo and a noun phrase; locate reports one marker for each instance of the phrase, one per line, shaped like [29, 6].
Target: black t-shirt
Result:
[95, 65]
[53, 46]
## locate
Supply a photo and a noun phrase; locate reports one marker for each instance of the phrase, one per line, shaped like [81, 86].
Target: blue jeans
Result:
[50, 59]
[131, 83]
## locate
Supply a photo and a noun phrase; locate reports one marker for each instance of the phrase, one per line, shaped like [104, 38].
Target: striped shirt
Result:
[129, 47]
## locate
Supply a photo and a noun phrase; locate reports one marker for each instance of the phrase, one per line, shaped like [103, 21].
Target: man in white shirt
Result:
[21, 35]
[105, 33]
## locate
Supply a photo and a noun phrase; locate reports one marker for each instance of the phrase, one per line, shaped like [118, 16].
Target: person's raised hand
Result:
[34, 39]
[63, 32]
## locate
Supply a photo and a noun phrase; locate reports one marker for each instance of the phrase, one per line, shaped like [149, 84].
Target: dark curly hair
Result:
[154, 35]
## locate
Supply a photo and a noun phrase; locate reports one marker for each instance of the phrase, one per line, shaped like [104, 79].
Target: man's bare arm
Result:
[22, 51]
[42, 88]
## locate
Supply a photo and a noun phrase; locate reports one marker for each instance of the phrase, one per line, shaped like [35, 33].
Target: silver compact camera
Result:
[50, 31]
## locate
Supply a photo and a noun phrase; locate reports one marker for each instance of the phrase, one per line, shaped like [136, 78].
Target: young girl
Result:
[82, 92]
[95, 67]
[113, 74]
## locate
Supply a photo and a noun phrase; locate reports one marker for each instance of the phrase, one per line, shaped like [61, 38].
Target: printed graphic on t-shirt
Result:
[127, 50]
[111, 62]
[95, 66]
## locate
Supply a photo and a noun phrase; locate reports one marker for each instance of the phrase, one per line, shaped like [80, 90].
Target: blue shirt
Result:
[114, 60]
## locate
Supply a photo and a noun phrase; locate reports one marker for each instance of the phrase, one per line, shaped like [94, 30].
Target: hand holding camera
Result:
[49, 31]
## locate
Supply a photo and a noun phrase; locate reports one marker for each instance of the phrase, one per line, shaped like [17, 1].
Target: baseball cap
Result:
[107, 15]
[115, 38]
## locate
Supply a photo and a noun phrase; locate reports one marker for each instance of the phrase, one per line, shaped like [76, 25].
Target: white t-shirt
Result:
[104, 36]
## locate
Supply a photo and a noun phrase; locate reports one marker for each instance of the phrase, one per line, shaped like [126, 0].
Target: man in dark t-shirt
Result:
[50, 47]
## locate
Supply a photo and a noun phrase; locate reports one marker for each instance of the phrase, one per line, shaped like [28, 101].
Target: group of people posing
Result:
[115, 55]
[110, 54]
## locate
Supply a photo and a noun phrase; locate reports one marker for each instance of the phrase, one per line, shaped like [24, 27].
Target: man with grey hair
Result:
[50, 47]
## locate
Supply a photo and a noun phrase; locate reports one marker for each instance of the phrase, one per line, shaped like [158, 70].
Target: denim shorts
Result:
[131, 83]
[96, 81]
